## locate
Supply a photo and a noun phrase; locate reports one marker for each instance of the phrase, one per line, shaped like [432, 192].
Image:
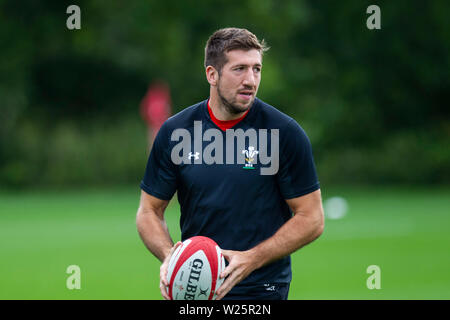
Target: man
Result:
[259, 208]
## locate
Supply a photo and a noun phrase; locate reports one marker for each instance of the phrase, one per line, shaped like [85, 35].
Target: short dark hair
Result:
[227, 39]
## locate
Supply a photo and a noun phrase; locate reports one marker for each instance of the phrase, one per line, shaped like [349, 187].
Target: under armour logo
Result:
[269, 287]
[194, 155]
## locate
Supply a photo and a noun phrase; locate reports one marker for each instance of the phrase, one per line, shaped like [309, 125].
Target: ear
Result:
[212, 75]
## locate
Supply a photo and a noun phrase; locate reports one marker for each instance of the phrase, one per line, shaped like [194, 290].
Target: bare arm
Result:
[152, 227]
[154, 233]
[305, 226]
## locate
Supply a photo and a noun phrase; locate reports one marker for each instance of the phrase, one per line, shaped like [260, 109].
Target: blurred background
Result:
[74, 137]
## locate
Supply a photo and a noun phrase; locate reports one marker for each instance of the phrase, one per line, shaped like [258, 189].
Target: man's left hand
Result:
[241, 264]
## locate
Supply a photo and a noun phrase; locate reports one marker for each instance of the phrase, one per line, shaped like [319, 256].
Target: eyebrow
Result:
[246, 65]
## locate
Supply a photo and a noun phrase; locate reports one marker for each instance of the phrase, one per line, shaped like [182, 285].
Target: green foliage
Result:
[370, 100]
[70, 155]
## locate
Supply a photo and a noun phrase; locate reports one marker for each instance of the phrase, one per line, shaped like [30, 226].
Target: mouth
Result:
[245, 94]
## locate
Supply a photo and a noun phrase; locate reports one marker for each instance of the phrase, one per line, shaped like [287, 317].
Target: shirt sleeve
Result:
[297, 173]
[160, 178]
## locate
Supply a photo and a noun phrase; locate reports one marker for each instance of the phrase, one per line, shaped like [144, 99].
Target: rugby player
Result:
[243, 172]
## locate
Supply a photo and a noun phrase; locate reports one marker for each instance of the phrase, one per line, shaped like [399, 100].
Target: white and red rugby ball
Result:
[194, 269]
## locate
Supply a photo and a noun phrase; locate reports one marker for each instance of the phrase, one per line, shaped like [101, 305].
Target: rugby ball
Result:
[194, 269]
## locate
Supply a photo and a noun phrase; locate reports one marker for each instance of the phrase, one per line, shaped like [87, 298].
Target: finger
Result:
[165, 265]
[163, 290]
[164, 283]
[163, 278]
[226, 286]
[227, 271]
[227, 254]
[163, 274]
[229, 283]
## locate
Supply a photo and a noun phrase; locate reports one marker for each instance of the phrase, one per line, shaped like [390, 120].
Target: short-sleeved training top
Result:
[232, 185]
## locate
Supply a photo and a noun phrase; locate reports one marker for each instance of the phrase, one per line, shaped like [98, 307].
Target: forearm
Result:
[295, 233]
[154, 232]
[298, 231]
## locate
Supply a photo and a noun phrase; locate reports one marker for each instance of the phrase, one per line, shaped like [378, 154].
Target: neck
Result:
[219, 110]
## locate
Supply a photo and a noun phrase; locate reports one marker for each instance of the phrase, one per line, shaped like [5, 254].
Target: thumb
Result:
[172, 250]
[179, 243]
[227, 254]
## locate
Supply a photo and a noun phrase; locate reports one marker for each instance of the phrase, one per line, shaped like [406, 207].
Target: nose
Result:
[250, 78]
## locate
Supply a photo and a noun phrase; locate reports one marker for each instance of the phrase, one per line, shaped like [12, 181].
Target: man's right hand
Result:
[163, 283]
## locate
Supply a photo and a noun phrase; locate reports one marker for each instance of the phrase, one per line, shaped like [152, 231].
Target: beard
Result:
[231, 105]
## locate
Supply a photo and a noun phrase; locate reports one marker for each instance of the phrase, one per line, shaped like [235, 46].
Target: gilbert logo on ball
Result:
[194, 270]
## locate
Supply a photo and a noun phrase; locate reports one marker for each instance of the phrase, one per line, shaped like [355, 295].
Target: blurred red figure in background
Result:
[156, 108]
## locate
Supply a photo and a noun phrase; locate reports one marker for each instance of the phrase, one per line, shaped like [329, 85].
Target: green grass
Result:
[405, 231]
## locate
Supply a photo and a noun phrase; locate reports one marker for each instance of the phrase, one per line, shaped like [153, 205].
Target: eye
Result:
[257, 69]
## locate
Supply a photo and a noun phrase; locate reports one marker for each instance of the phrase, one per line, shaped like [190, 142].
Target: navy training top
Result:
[222, 190]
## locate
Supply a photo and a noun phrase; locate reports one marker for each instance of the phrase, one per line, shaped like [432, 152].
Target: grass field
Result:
[404, 231]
